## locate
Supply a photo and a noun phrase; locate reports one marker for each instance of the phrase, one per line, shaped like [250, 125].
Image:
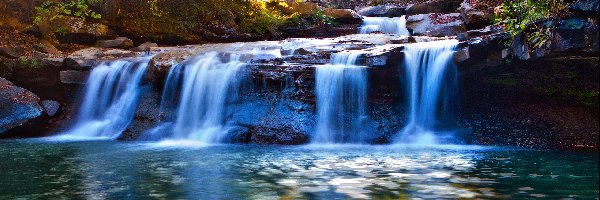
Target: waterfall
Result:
[428, 67]
[341, 89]
[395, 25]
[110, 98]
[206, 85]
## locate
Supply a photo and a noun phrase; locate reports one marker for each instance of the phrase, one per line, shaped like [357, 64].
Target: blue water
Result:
[178, 170]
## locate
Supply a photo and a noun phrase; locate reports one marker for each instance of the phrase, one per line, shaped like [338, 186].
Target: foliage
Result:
[526, 17]
[316, 18]
[48, 11]
[263, 16]
[28, 62]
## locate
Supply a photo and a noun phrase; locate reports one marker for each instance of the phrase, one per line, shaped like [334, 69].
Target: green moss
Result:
[28, 62]
[507, 81]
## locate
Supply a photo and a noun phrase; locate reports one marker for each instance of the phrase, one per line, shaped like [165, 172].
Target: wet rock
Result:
[237, 134]
[74, 76]
[283, 136]
[436, 24]
[145, 47]
[11, 52]
[120, 42]
[18, 106]
[51, 107]
[87, 58]
[433, 6]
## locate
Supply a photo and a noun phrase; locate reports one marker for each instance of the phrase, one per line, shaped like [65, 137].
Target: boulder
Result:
[436, 24]
[382, 11]
[433, 6]
[18, 106]
[51, 107]
[343, 15]
[11, 52]
[474, 18]
[145, 47]
[120, 42]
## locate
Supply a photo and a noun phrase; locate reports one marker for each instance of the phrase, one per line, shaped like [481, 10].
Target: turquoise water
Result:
[123, 170]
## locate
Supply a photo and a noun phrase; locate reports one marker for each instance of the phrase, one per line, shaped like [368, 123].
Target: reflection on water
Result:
[114, 170]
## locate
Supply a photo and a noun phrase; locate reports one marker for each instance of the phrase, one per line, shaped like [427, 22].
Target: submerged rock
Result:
[17, 106]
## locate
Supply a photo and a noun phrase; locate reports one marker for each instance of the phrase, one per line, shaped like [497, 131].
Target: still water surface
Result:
[124, 170]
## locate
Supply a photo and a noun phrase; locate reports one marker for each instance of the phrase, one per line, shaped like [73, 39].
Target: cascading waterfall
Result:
[341, 97]
[111, 95]
[427, 66]
[206, 86]
[395, 25]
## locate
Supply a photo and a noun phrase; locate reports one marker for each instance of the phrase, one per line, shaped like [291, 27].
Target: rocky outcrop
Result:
[436, 24]
[433, 6]
[18, 106]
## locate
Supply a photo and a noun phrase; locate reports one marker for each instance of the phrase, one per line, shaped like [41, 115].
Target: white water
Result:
[207, 84]
[341, 89]
[110, 98]
[426, 66]
[395, 25]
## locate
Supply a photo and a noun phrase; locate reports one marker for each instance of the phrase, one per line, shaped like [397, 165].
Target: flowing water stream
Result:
[110, 97]
[393, 25]
[341, 90]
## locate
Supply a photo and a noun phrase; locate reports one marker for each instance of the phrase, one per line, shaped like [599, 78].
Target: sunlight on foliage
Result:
[48, 10]
[527, 16]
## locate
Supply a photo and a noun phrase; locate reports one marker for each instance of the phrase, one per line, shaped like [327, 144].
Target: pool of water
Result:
[133, 170]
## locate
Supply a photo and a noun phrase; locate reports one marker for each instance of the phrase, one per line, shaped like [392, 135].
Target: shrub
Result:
[526, 17]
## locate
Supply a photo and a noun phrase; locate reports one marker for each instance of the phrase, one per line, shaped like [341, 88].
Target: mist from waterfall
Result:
[341, 89]
[111, 95]
[195, 97]
[430, 73]
[394, 25]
